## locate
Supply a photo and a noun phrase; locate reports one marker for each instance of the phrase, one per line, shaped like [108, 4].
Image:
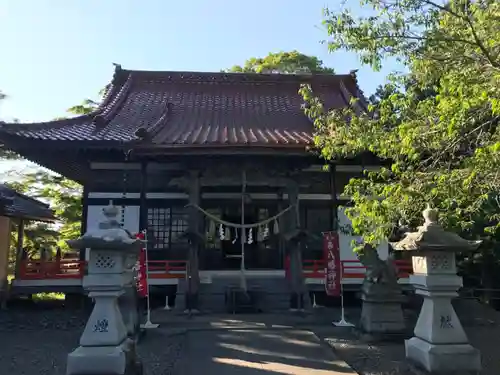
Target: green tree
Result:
[282, 62]
[88, 105]
[6, 154]
[64, 197]
[436, 126]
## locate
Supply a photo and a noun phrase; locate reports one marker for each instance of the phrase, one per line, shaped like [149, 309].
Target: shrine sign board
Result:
[141, 278]
[332, 271]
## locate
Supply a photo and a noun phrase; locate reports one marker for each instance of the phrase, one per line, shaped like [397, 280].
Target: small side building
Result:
[18, 208]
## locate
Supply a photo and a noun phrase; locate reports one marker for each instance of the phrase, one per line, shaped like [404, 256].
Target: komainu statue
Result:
[378, 271]
[381, 313]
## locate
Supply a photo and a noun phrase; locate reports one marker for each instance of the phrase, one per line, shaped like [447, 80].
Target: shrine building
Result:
[201, 160]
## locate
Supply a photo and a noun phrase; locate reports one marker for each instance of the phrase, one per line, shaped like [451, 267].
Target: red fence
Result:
[167, 269]
[173, 269]
[54, 269]
[351, 269]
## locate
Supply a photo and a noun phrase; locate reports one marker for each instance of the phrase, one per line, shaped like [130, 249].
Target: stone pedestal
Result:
[440, 344]
[381, 316]
[106, 346]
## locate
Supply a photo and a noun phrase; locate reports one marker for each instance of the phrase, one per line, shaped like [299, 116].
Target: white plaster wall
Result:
[131, 222]
[346, 252]
[95, 216]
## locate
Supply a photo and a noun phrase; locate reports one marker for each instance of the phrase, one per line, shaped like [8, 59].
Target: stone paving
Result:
[258, 351]
[37, 339]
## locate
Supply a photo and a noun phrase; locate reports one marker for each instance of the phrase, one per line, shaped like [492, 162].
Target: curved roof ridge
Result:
[204, 76]
[196, 108]
[45, 124]
[106, 107]
[119, 86]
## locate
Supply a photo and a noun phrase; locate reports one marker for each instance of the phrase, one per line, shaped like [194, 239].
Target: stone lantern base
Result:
[105, 360]
[443, 358]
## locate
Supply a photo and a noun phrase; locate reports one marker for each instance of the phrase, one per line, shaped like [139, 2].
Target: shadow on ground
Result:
[258, 352]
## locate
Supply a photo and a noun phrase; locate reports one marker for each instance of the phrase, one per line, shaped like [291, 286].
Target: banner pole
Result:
[167, 307]
[148, 324]
[342, 322]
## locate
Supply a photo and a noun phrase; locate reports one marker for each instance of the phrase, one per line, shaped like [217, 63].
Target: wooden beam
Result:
[143, 208]
[152, 166]
[157, 166]
[184, 196]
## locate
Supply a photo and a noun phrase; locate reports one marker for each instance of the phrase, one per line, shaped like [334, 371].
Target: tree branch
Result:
[480, 44]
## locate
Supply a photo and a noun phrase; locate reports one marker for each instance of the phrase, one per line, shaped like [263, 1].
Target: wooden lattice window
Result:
[166, 225]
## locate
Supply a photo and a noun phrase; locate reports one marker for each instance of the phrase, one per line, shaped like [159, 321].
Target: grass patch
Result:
[48, 296]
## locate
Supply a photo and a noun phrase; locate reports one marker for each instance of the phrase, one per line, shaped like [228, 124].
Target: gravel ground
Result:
[37, 340]
[481, 324]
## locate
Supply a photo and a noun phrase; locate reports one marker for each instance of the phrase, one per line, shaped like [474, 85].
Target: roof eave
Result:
[223, 148]
[32, 218]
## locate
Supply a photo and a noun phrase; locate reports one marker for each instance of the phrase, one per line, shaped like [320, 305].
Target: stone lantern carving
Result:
[105, 347]
[439, 343]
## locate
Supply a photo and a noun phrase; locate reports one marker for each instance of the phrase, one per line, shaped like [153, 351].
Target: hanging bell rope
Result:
[126, 154]
[235, 225]
[211, 228]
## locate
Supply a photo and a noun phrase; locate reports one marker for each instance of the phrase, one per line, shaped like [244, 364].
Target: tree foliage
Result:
[84, 108]
[64, 197]
[284, 63]
[6, 154]
[88, 105]
[437, 125]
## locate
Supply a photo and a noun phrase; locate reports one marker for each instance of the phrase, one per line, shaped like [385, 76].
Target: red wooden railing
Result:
[314, 268]
[167, 269]
[174, 269]
[351, 269]
[51, 269]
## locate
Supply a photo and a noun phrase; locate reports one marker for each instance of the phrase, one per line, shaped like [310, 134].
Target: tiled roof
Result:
[196, 109]
[14, 204]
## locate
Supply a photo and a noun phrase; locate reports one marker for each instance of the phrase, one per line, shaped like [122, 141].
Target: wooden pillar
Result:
[85, 214]
[20, 246]
[293, 226]
[194, 223]
[333, 192]
[5, 228]
[281, 245]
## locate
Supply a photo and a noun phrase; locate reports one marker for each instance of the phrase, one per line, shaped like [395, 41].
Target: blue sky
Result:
[55, 53]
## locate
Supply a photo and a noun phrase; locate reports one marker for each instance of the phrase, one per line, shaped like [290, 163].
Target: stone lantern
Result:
[440, 344]
[105, 347]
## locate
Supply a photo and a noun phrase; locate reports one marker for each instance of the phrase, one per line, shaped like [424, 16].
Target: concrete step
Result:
[274, 293]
